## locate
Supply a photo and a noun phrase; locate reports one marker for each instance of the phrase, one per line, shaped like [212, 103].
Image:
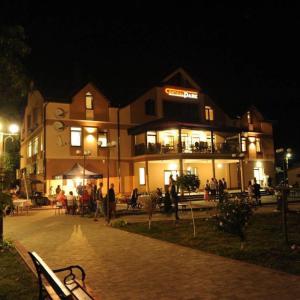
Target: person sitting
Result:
[85, 198]
[70, 203]
[61, 200]
[133, 198]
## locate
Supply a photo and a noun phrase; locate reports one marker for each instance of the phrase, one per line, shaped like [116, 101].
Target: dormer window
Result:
[249, 117]
[89, 101]
[209, 113]
[89, 106]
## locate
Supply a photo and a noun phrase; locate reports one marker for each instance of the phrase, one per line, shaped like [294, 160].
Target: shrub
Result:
[233, 217]
[119, 223]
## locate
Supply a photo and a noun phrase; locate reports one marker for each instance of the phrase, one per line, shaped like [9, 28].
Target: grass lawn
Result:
[16, 281]
[264, 245]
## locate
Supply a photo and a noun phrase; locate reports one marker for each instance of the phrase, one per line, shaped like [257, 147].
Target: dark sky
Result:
[240, 56]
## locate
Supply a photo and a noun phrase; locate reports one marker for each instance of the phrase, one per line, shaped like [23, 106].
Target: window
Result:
[35, 145]
[29, 149]
[151, 137]
[150, 107]
[209, 113]
[244, 144]
[258, 147]
[168, 140]
[76, 133]
[102, 139]
[142, 177]
[89, 101]
[249, 117]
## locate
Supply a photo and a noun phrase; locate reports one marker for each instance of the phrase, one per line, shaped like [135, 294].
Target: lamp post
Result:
[108, 147]
[286, 155]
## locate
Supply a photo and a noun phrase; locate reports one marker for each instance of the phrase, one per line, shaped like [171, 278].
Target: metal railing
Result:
[198, 147]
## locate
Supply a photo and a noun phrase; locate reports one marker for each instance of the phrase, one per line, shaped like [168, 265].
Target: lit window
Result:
[249, 117]
[151, 137]
[209, 113]
[88, 101]
[258, 148]
[244, 145]
[102, 139]
[35, 145]
[142, 179]
[168, 140]
[76, 136]
[29, 149]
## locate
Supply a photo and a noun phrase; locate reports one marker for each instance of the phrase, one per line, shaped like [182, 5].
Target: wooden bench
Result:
[51, 286]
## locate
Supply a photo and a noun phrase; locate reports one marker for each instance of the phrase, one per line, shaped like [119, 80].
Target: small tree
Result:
[233, 217]
[189, 183]
[5, 201]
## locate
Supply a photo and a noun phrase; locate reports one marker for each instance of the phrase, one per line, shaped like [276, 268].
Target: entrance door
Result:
[259, 175]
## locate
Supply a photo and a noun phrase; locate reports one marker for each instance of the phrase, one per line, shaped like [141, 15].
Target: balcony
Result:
[224, 148]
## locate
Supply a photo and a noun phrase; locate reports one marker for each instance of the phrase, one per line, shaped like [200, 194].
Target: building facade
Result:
[173, 128]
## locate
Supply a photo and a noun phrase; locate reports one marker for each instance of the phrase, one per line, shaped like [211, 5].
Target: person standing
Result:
[99, 200]
[206, 190]
[212, 188]
[224, 184]
[174, 197]
[111, 202]
[58, 190]
[221, 191]
[256, 191]
[250, 191]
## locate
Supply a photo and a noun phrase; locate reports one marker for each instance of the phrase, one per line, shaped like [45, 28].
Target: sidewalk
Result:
[122, 265]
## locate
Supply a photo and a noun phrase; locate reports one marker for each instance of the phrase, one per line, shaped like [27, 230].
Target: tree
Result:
[233, 217]
[14, 82]
[189, 183]
[5, 201]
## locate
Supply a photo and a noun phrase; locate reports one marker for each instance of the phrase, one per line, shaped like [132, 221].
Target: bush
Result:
[119, 223]
[233, 217]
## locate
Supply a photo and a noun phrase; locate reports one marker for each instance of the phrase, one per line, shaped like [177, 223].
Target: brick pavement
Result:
[122, 265]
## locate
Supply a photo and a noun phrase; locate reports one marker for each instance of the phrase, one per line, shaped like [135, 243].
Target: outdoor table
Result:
[21, 203]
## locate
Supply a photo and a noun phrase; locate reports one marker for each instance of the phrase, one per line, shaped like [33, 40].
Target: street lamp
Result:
[85, 154]
[286, 155]
[109, 145]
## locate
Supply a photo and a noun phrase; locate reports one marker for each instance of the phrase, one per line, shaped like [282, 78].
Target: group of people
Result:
[214, 189]
[90, 198]
[254, 192]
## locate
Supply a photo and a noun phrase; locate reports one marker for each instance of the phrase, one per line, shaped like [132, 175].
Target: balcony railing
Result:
[198, 147]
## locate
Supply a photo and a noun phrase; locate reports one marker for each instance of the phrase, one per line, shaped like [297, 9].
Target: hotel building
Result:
[173, 128]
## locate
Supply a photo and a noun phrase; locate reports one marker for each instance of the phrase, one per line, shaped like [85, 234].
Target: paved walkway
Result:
[122, 265]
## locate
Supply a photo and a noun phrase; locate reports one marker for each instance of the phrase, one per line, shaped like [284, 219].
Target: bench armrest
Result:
[71, 275]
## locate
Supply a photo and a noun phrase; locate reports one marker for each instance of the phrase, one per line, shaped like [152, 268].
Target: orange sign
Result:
[181, 93]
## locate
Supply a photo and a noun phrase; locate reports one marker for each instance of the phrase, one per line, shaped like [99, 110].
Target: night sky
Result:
[239, 56]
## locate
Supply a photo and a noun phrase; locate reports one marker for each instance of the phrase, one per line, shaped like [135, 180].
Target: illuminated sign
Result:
[181, 93]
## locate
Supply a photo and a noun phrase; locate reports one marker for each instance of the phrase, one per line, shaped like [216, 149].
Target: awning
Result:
[77, 171]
